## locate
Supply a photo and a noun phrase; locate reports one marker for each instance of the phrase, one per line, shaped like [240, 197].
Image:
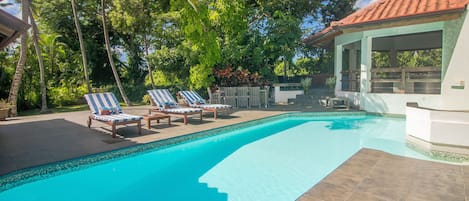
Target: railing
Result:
[418, 80]
[350, 80]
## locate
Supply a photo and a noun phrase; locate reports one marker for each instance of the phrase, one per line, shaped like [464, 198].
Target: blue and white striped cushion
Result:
[181, 110]
[117, 118]
[213, 106]
[162, 96]
[192, 97]
[97, 101]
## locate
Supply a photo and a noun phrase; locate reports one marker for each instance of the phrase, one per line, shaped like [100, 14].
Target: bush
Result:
[306, 83]
[330, 82]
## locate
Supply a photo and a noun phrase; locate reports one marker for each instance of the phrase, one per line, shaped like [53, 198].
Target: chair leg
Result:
[201, 117]
[185, 119]
[89, 122]
[215, 114]
[139, 127]
[114, 131]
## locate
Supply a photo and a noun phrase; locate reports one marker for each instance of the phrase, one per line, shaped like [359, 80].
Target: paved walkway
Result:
[379, 176]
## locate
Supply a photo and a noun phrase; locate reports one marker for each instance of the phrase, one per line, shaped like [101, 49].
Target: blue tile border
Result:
[28, 175]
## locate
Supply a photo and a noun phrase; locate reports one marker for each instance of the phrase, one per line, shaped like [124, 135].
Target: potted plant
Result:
[330, 83]
[4, 109]
[306, 83]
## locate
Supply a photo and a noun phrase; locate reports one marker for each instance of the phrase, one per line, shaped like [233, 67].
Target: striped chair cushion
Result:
[213, 106]
[162, 97]
[181, 110]
[117, 118]
[98, 101]
[192, 97]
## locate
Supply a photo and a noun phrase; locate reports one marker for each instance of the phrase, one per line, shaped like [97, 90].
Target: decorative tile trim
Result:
[438, 155]
[28, 175]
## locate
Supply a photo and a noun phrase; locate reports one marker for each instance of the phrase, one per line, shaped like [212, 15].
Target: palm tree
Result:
[35, 37]
[109, 55]
[15, 84]
[82, 46]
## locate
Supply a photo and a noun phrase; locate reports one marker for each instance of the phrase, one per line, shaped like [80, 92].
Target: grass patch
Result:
[69, 108]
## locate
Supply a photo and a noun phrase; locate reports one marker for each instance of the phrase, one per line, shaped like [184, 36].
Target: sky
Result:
[362, 3]
[14, 9]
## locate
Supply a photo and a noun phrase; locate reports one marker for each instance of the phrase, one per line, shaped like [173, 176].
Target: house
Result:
[397, 51]
[10, 28]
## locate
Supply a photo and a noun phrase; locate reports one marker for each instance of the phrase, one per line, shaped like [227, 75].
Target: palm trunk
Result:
[148, 65]
[35, 38]
[82, 46]
[109, 55]
[15, 84]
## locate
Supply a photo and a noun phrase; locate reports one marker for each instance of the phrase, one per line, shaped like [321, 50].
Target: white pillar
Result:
[365, 67]
[338, 67]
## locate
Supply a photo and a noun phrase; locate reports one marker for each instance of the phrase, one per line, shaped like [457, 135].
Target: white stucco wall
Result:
[456, 74]
[438, 127]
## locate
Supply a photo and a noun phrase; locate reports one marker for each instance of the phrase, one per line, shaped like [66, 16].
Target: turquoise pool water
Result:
[276, 161]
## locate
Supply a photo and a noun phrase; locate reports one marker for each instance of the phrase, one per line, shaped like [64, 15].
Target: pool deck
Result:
[369, 175]
[376, 175]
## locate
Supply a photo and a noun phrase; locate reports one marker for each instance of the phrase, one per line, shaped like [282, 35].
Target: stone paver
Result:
[376, 175]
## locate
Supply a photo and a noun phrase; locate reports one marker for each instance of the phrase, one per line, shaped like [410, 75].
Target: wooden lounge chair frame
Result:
[113, 124]
[184, 115]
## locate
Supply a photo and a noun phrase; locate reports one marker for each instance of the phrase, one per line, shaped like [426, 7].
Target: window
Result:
[407, 64]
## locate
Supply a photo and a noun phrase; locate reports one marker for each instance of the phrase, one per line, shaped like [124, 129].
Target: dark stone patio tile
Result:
[329, 192]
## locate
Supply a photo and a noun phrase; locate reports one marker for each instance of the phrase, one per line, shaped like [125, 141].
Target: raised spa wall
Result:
[438, 131]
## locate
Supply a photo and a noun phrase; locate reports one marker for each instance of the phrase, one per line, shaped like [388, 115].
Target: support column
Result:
[338, 67]
[352, 67]
[365, 75]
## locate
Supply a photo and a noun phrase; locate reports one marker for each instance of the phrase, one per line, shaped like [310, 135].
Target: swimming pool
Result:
[278, 159]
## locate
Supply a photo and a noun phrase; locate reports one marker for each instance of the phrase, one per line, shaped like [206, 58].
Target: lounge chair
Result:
[105, 108]
[165, 103]
[193, 99]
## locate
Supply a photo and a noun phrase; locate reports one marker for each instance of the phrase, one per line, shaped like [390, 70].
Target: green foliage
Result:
[380, 59]
[330, 82]
[184, 41]
[420, 58]
[306, 83]
[61, 96]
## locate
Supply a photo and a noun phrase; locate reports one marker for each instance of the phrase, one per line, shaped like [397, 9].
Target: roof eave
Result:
[11, 22]
[321, 40]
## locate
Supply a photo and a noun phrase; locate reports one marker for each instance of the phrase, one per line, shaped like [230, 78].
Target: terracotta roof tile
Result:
[383, 10]
[388, 9]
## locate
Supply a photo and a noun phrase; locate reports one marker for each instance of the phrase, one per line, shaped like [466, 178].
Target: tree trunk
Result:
[15, 84]
[35, 37]
[285, 69]
[82, 46]
[109, 55]
[148, 65]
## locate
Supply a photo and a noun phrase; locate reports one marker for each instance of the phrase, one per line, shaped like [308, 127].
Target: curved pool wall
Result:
[28, 175]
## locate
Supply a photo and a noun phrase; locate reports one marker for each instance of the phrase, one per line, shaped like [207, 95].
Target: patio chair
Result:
[242, 97]
[230, 96]
[193, 99]
[165, 103]
[254, 97]
[105, 108]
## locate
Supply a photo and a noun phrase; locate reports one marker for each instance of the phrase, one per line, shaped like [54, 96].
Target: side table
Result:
[157, 117]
